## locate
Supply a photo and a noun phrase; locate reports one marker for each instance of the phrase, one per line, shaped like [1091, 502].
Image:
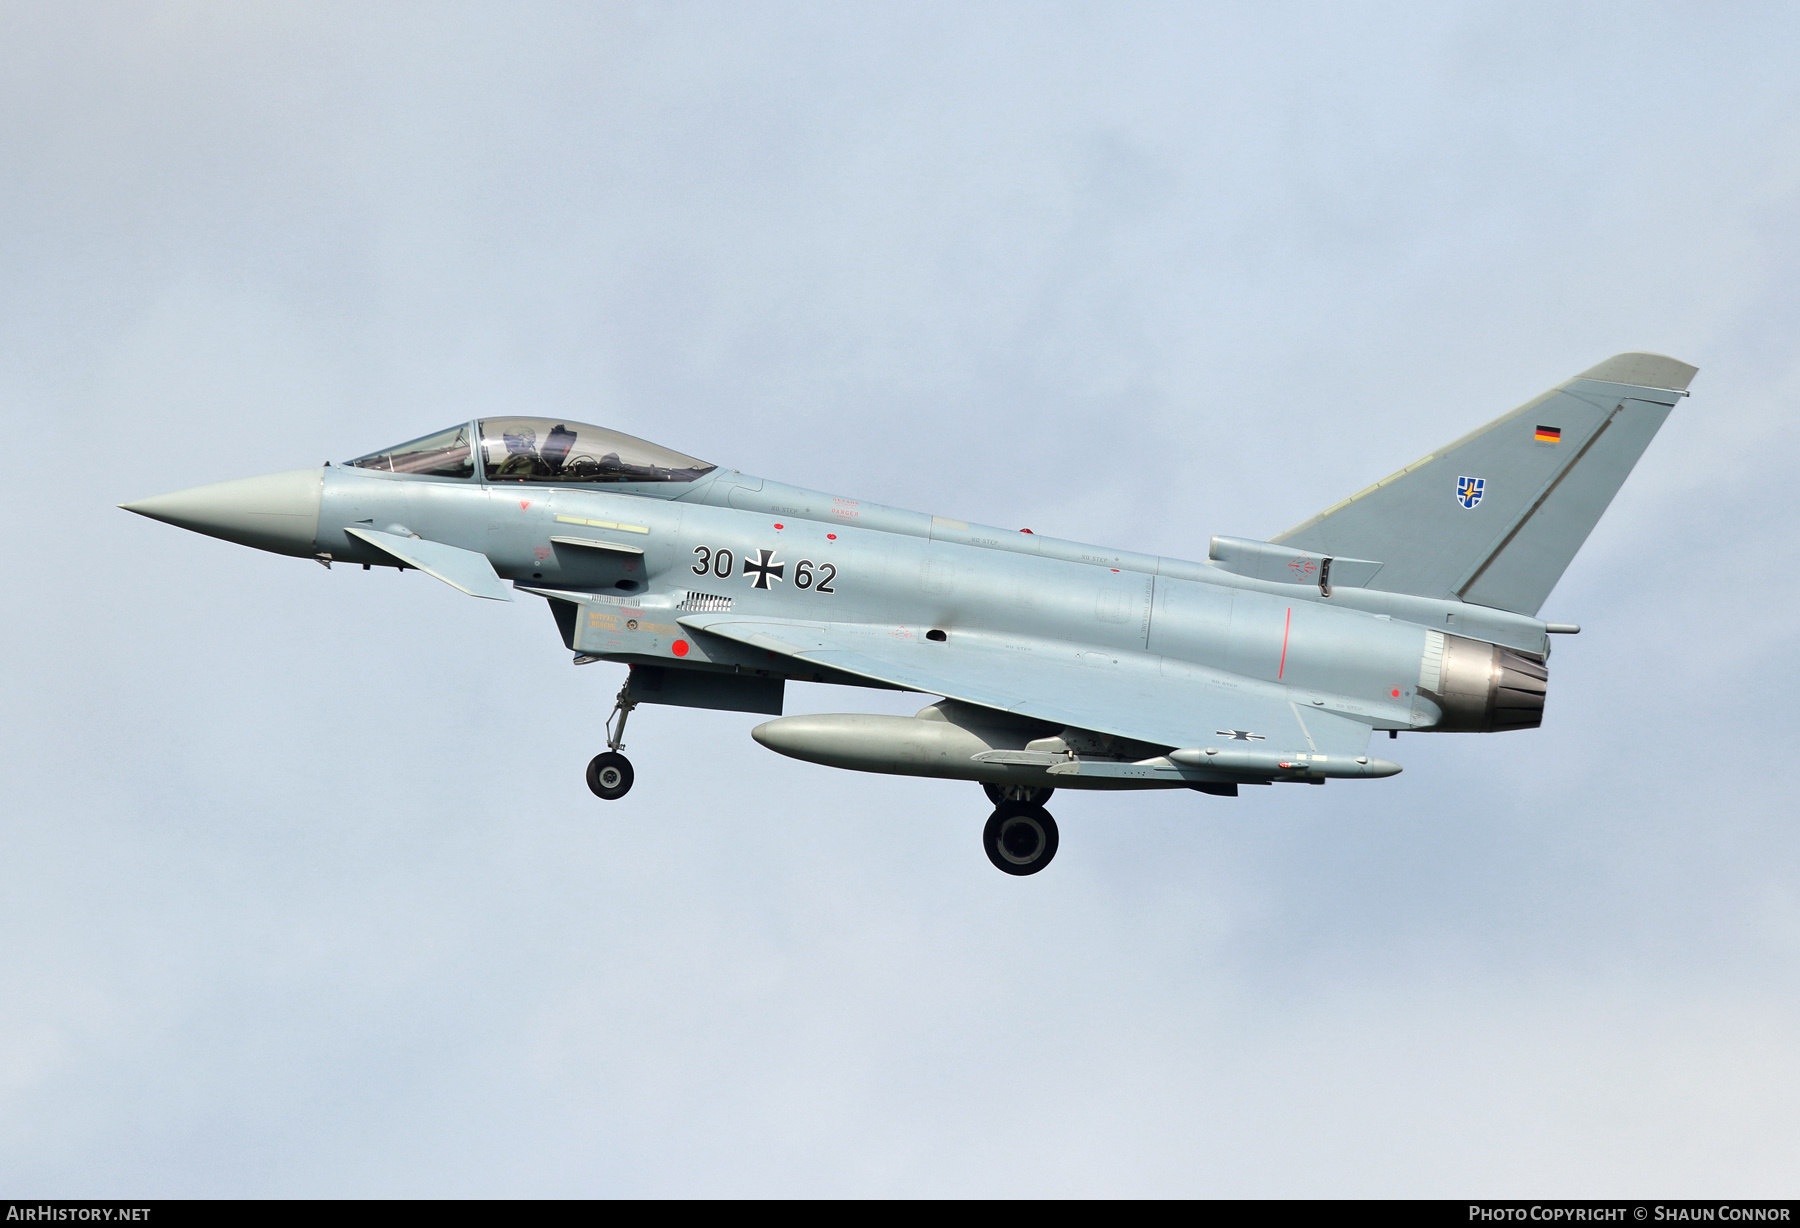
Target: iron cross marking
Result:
[1240, 735]
[764, 566]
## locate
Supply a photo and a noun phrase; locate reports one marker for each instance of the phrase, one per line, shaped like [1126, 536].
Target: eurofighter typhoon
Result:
[1412, 605]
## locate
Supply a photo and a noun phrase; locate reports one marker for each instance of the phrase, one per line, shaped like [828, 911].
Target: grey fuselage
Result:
[793, 553]
[1410, 605]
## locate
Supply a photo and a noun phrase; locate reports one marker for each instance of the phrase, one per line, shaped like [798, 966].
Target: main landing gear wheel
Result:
[609, 775]
[1001, 794]
[1020, 838]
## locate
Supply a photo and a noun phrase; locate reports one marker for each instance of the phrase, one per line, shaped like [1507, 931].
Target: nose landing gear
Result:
[609, 773]
[1020, 837]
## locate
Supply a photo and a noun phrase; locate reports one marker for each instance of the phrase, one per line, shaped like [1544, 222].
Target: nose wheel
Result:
[1020, 838]
[609, 773]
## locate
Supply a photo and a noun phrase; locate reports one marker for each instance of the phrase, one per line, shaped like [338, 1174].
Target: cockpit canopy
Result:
[543, 450]
[539, 450]
[445, 455]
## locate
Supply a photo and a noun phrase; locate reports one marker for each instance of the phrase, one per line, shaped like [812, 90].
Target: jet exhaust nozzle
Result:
[1482, 688]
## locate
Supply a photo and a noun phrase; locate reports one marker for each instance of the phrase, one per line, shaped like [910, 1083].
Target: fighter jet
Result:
[1410, 606]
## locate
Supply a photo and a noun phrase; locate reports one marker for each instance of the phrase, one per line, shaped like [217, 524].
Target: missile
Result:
[1270, 763]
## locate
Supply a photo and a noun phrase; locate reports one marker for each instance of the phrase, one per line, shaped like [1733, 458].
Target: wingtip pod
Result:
[1644, 371]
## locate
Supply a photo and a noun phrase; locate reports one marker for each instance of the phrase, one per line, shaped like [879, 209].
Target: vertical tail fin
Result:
[1495, 517]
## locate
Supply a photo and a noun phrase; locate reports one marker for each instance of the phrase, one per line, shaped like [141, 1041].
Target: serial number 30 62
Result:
[765, 570]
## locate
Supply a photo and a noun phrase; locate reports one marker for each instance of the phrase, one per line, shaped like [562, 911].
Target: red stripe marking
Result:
[1284, 638]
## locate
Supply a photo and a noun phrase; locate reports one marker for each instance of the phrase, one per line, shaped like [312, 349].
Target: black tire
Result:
[609, 775]
[997, 794]
[1020, 838]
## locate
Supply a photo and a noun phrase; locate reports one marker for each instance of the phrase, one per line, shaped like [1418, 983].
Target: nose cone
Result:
[278, 512]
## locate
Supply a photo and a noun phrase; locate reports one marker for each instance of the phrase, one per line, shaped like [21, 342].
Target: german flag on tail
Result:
[1549, 434]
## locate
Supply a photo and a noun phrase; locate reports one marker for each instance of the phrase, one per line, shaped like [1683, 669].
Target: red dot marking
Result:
[831, 537]
[780, 526]
[1396, 692]
[1115, 571]
[1027, 531]
[679, 648]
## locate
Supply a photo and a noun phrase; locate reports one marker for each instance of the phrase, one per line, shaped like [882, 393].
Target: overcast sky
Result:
[303, 893]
